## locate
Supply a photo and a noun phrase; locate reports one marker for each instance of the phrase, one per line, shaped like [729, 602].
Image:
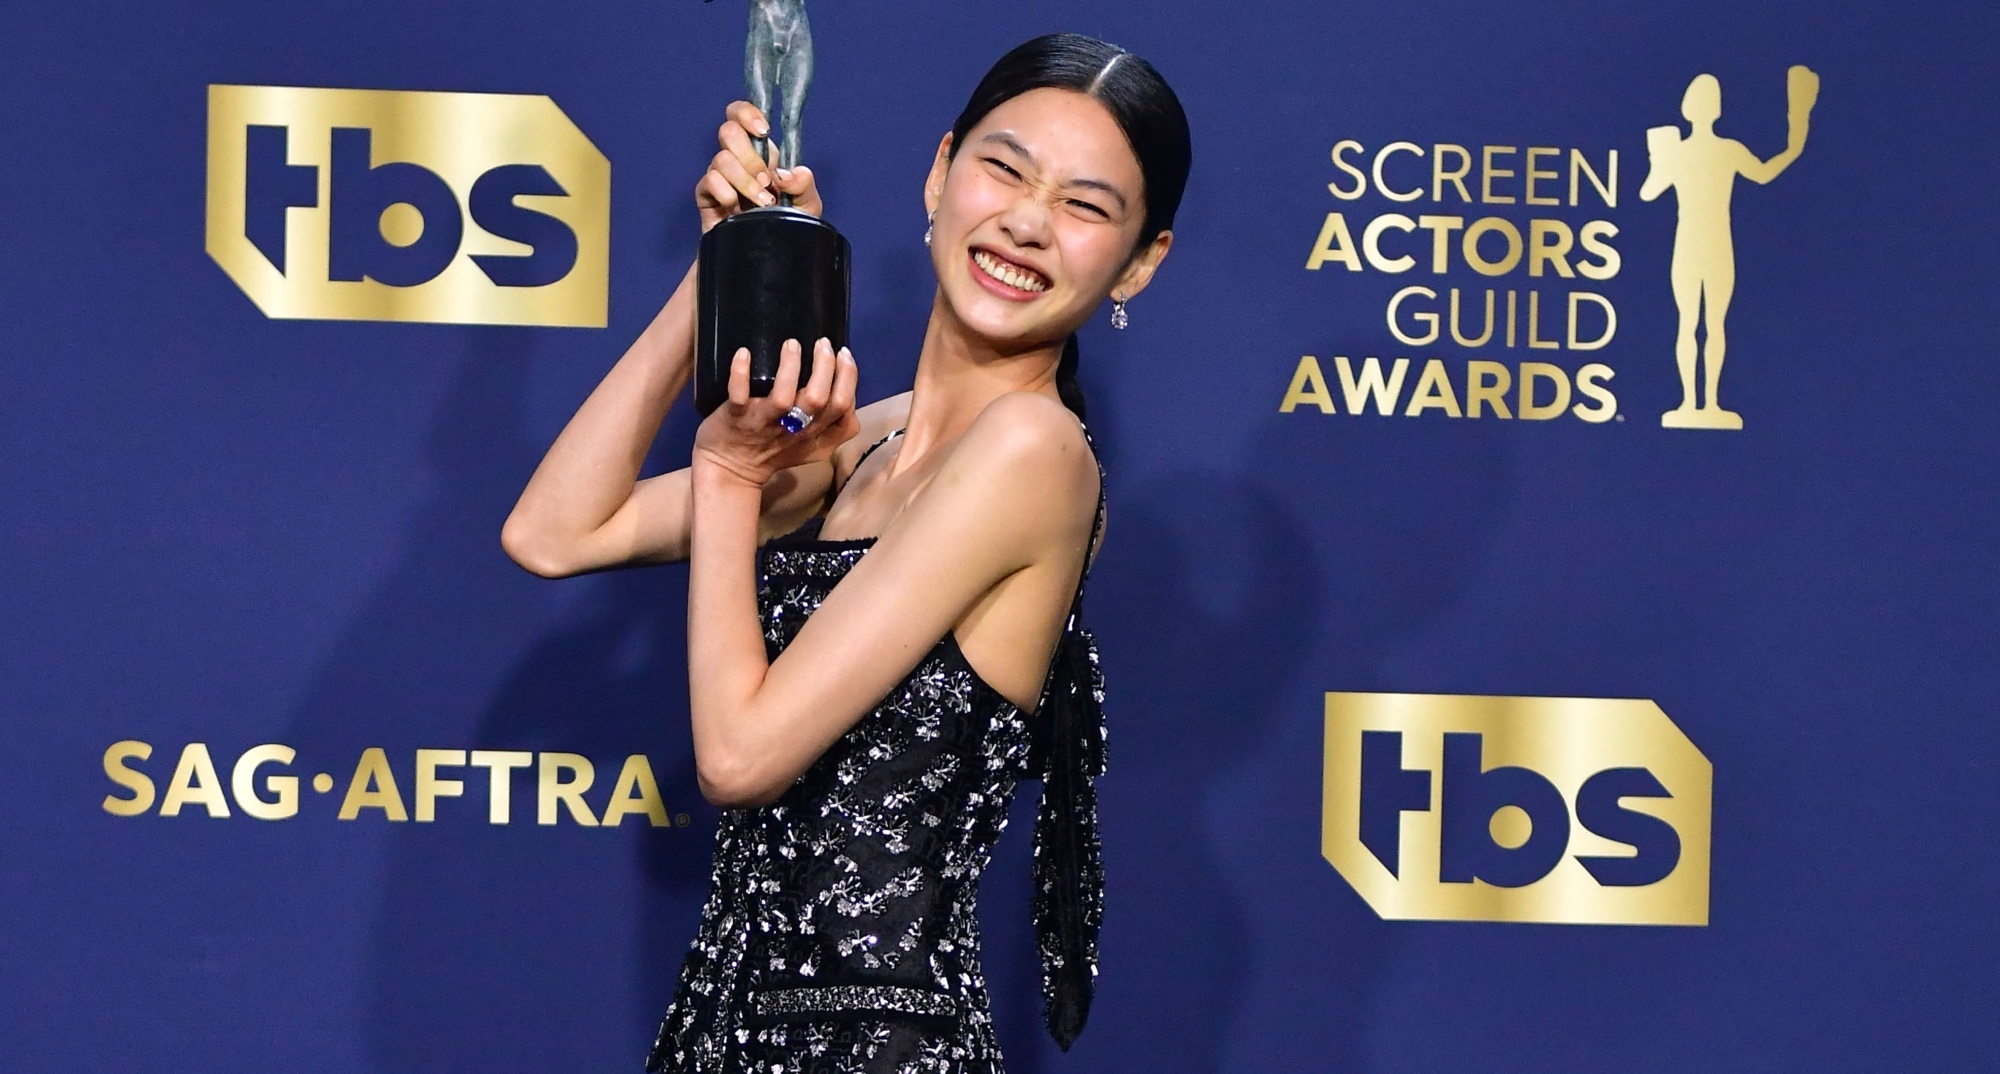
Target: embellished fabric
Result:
[1069, 866]
[843, 999]
[839, 935]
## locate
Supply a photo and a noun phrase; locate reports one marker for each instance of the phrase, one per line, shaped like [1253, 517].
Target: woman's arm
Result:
[1014, 498]
[585, 508]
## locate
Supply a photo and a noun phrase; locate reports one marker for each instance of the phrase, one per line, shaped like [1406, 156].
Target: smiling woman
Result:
[867, 688]
[1041, 81]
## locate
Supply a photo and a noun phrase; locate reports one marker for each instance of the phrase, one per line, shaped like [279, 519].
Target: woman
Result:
[867, 689]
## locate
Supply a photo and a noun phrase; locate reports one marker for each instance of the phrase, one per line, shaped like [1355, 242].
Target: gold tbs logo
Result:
[1562, 810]
[392, 205]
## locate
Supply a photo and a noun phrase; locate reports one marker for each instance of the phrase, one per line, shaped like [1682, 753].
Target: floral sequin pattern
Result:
[839, 934]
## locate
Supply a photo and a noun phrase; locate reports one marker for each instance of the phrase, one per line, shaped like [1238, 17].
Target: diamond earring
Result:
[1118, 317]
[930, 223]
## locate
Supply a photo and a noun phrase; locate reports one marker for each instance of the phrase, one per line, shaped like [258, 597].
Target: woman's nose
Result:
[1026, 222]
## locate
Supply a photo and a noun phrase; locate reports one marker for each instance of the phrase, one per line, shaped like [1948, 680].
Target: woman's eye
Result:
[1010, 173]
[1090, 209]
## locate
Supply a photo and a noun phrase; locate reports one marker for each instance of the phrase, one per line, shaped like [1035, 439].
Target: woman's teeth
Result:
[1006, 273]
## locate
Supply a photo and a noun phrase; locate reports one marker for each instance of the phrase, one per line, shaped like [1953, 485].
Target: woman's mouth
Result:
[1013, 281]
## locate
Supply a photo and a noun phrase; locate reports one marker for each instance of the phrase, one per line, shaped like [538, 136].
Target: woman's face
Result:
[1037, 215]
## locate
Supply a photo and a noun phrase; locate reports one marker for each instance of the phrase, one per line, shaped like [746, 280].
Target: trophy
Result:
[775, 272]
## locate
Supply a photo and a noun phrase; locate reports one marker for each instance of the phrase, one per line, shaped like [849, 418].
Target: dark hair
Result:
[1138, 99]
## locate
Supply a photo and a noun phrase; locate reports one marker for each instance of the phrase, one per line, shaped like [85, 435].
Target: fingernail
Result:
[785, 174]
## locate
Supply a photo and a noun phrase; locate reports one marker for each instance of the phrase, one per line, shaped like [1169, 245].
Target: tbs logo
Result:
[1559, 810]
[388, 205]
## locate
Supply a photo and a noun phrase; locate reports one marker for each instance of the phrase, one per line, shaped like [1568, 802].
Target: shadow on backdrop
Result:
[490, 943]
[1207, 606]
[1401, 514]
[1222, 600]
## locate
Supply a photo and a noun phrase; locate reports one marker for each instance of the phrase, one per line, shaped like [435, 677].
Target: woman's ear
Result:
[1139, 271]
[934, 183]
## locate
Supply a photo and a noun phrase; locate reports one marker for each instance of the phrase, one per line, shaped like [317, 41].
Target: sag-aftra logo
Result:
[1567, 810]
[264, 784]
[391, 205]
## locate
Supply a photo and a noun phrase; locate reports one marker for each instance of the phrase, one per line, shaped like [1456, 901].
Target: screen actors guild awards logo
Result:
[1701, 169]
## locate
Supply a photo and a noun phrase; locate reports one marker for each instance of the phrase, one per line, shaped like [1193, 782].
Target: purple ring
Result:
[794, 421]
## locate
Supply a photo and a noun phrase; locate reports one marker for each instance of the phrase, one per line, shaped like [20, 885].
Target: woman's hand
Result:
[739, 179]
[743, 437]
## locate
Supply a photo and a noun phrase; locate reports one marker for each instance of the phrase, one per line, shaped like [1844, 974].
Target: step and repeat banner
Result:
[1548, 610]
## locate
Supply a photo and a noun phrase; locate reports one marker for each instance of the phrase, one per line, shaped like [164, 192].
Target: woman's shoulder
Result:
[1029, 428]
[1029, 451]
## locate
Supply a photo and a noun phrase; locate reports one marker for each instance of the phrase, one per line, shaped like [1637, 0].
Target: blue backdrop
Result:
[229, 529]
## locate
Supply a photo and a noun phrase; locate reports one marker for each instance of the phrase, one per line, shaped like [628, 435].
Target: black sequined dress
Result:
[839, 934]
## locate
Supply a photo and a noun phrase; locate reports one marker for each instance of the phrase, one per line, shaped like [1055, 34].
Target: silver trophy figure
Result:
[778, 63]
[775, 273]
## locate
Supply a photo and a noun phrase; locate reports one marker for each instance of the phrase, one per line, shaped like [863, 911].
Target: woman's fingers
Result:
[784, 393]
[835, 423]
[715, 199]
[840, 407]
[750, 187]
[819, 387]
[739, 378]
[750, 434]
[846, 381]
[737, 177]
[716, 189]
[799, 183]
[749, 117]
[737, 148]
[752, 177]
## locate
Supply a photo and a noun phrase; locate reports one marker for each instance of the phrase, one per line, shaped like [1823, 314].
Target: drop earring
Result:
[930, 223]
[1119, 319]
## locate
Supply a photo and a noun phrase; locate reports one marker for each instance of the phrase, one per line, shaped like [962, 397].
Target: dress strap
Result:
[1090, 546]
[1068, 870]
[893, 433]
[833, 491]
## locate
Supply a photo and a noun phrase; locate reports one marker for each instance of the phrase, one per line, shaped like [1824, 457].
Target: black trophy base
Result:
[763, 277]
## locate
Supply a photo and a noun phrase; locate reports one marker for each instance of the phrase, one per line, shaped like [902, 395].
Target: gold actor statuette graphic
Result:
[1702, 170]
[392, 205]
[1560, 810]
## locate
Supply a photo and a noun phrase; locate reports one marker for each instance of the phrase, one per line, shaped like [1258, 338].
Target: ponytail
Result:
[1066, 383]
